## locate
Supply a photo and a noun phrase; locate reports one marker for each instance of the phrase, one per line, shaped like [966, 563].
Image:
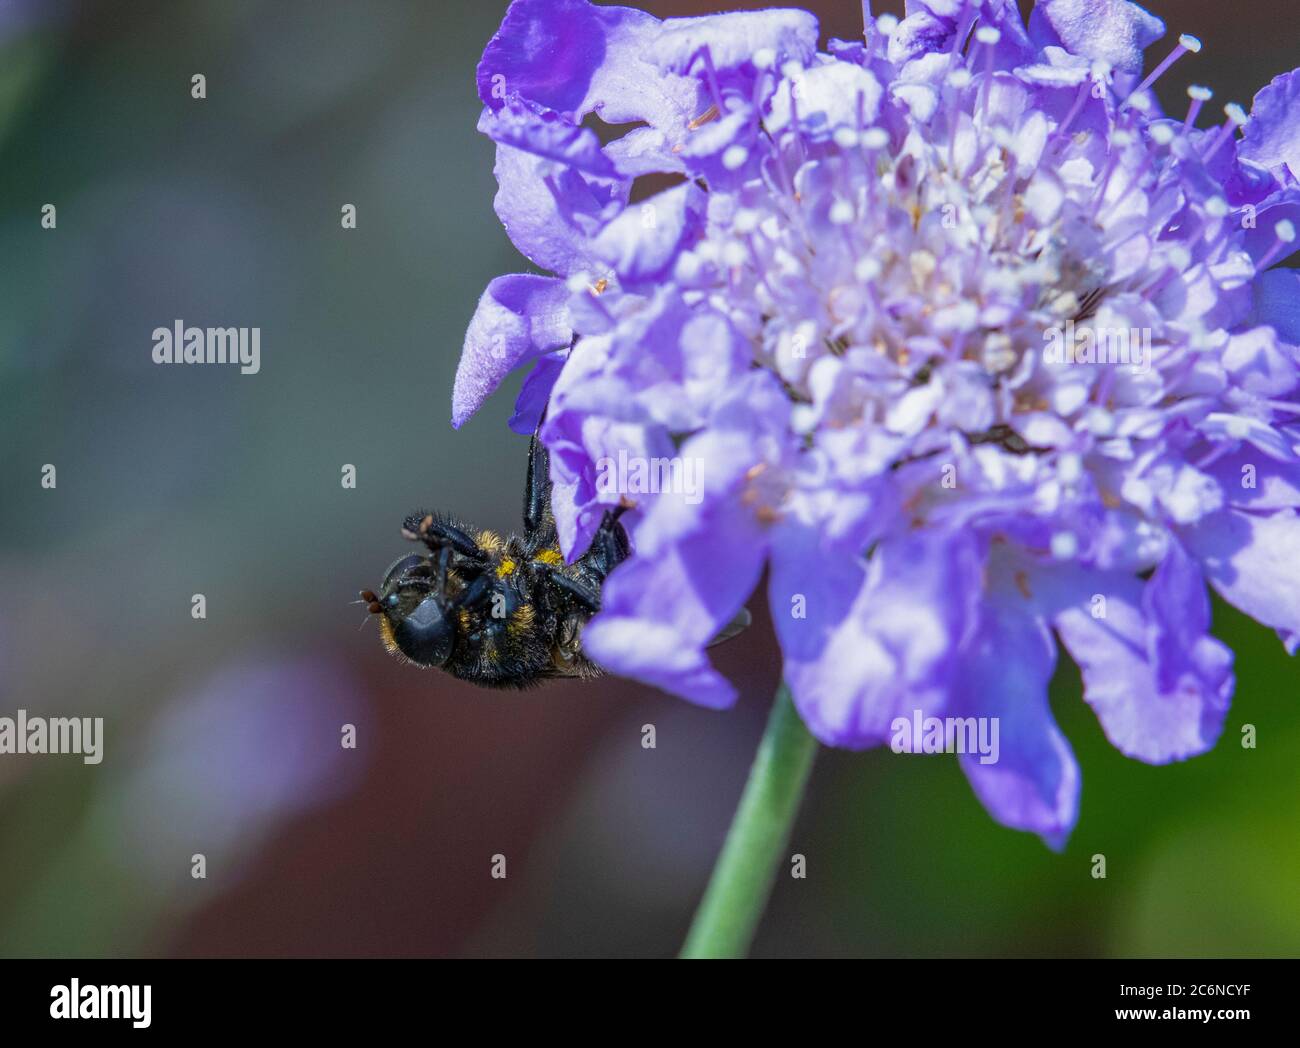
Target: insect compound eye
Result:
[427, 634]
[403, 567]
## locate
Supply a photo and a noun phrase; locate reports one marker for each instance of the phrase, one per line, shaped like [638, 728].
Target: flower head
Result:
[977, 350]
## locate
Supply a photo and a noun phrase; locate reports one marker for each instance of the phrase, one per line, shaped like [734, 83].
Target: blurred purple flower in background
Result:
[257, 742]
[973, 344]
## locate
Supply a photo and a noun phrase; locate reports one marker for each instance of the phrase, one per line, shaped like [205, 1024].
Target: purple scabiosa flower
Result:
[977, 350]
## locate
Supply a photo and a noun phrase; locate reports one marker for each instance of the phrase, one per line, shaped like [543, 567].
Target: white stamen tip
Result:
[746, 221]
[846, 137]
[987, 34]
[1199, 93]
[1065, 544]
[1069, 468]
[734, 157]
[687, 269]
[867, 269]
[1285, 231]
[875, 138]
[1236, 114]
[764, 58]
[1189, 42]
[887, 24]
[1216, 207]
[1162, 134]
[734, 254]
[841, 213]
[959, 78]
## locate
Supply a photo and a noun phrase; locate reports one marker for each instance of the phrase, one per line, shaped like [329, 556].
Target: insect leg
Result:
[473, 594]
[609, 544]
[439, 534]
[583, 592]
[537, 493]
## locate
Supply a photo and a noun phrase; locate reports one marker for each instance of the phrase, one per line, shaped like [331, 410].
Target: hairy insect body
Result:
[502, 612]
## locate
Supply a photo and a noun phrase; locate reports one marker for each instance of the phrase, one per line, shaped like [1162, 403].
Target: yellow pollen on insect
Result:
[489, 541]
[386, 635]
[552, 557]
[505, 568]
[522, 620]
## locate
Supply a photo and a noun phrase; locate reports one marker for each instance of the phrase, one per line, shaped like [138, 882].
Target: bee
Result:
[500, 612]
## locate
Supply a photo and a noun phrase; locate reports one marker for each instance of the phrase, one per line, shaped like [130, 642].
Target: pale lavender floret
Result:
[640, 252]
[1272, 138]
[838, 301]
[519, 318]
[1114, 31]
[733, 40]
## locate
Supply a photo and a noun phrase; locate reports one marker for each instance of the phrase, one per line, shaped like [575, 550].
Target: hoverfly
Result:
[500, 612]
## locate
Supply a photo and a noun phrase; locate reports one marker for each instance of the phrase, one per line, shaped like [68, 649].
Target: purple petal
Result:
[577, 440]
[876, 643]
[644, 151]
[550, 211]
[1277, 303]
[661, 608]
[734, 38]
[1015, 46]
[1259, 364]
[518, 318]
[577, 515]
[1252, 561]
[1114, 31]
[920, 33]
[545, 133]
[699, 553]
[1256, 482]
[1177, 610]
[1260, 240]
[535, 392]
[576, 58]
[643, 242]
[1160, 686]
[1032, 782]
[816, 600]
[1272, 138]
[829, 97]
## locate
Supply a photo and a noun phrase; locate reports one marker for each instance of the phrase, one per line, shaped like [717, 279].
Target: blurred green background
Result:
[223, 734]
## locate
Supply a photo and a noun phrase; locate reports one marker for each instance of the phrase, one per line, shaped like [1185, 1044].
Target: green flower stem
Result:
[746, 870]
